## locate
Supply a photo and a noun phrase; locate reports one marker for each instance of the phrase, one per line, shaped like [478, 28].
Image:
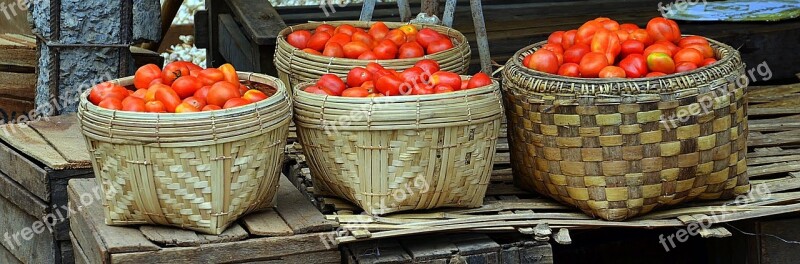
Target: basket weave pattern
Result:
[408, 153]
[195, 179]
[621, 148]
[296, 66]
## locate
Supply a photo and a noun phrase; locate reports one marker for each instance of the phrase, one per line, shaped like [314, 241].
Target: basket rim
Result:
[399, 98]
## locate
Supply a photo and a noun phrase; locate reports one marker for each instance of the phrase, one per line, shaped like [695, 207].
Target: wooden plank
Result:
[428, 248]
[267, 223]
[63, 133]
[773, 139]
[7, 258]
[765, 94]
[773, 159]
[80, 255]
[258, 249]
[234, 233]
[18, 85]
[170, 236]
[22, 198]
[755, 171]
[23, 171]
[25, 243]
[377, 252]
[773, 250]
[320, 257]
[88, 224]
[259, 19]
[297, 211]
[13, 110]
[24, 139]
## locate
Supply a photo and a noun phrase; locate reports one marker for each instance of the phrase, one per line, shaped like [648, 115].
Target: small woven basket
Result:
[296, 66]
[198, 171]
[400, 153]
[623, 147]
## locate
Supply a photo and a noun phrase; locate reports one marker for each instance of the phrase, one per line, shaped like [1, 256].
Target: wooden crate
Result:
[36, 162]
[294, 232]
[18, 61]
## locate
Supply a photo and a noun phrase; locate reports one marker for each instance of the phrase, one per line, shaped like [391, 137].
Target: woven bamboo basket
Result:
[296, 66]
[621, 148]
[198, 171]
[400, 153]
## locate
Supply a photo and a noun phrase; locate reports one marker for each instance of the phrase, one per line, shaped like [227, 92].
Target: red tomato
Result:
[186, 86]
[606, 42]
[333, 49]
[369, 55]
[661, 28]
[210, 76]
[318, 40]
[408, 30]
[641, 35]
[575, 53]
[378, 30]
[354, 49]
[173, 71]
[412, 75]
[428, 66]
[151, 92]
[634, 65]
[569, 39]
[196, 102]
[586, 32]
[193, 68]
[554, 48]
[628, 27]
[254, 96]
[427, 36]
[332, 83]
[235, 102]
[355, 92]
[375, 95]
[370, 86]
[210, 108]
[363, 37]
[569, 69]
[657, 48]
[111, 103]
[708, 61]
[316, 90]
[410, 50]
[299, 39]
[707, 51]
[660, 62]
[630, 46]
[396, 36]
[357, 76]
[655, 74]
[243, 89]
[345, 29]
[340, 39]
[186, 108]
[555, 37]
[325, 28]
[685, 66]
[221, 92]
[689, 55]
[385, 50]
[374, 68]
[672, 47]
[544, 61]
[140, 93]
[133, 104]
[155, 107]
[230, 73]
[479, 80]
[169, 98]
[440, 45]
[608, 23]
[447, 78]
[107, 90]
[592, 63]
[154, 82]
[389, 85]
[442, 88]
[622, 35]
[202, 92]
[146, 75]
[611, 72]
[417, 89]
[692, 40]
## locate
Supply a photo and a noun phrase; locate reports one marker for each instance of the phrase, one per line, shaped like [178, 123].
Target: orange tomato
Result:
[151, 92]
[235, 102]
[111, 103]
[686, 41]
[689, 55]
[606, 42]
[409, 30]
[254, 96]
[641, 35]
[447, 78]
[230, 73]
[133, 104]
[611, 72]
[196, 102]
[221, 92]
[169, 98]
[660, 62]
[661, 28]
[210, 76]
[657, 48]
[442, 88]
[396, 36]
[186, 108]
[655, 74]
[707, 51]
[155, 107]
[210, 108]
[592, 63]
[140, 93]
[355, 92]
[586, 32]
[145, 75]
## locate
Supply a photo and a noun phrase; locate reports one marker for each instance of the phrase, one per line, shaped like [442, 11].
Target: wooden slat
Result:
[79, 253]
[8, 258]
[297, 211]
[23, 171]
[18, 85]
[98, 239]
[21, 197]
[234, 233]
[267, 223]
[773, 139]
[63, 133]
[170, 236]
[12, 109]
[26, 140]
[32, 248]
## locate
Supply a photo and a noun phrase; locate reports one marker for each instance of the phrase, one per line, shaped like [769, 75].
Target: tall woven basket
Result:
[400, 153]
[296, 66]
[621, 148]
[199, 171]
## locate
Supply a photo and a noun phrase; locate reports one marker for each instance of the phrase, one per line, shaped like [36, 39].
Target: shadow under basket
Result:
[198, 171]
[618, 148]
[400, 153]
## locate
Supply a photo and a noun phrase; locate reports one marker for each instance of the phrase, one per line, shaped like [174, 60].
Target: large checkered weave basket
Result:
[198, 171]
[621, 148]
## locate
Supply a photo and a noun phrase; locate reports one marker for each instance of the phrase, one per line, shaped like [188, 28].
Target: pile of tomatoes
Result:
[603, 48]
[180, 88]
[375, 81]
[376, 43]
